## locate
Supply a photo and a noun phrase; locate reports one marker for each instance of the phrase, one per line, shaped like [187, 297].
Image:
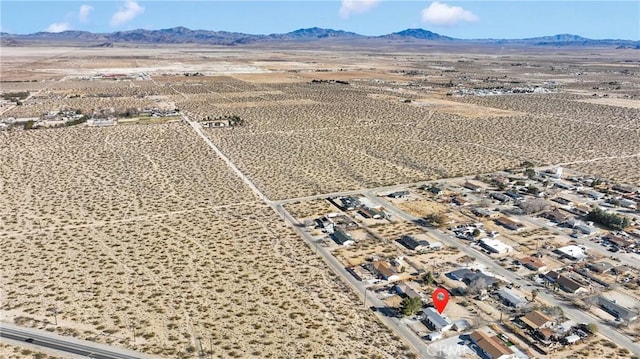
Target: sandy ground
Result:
[615, 102]
[143, 225]
[11, 352]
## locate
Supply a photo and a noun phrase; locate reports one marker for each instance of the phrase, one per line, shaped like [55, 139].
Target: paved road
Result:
[409, 336]
[391, 188]
[574, 314]
[413, 340]
[57, 342]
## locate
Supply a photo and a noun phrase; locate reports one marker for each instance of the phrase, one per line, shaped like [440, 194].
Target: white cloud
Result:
[127, 12]
[445, 15]
[58, 27]
[83, 13]
[356, 6]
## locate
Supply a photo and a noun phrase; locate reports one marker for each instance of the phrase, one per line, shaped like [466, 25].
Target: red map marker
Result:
[440, 298]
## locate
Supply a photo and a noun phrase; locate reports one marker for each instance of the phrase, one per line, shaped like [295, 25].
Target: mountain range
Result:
[183, 35]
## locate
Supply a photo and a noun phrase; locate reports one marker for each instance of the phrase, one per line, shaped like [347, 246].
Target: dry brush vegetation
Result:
[144, 226]
[82, 176]
[236, 277]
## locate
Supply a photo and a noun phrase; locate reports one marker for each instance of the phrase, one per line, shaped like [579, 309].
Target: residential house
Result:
[627, 203]
[491, 347]
[580, 210]
[460, 201]
[511, 298]
[552, 276]
[570, 284]
[624, 188]
[216, 123]
[369, 212]
[386, 271]
[399, 194]
[617, 310]
[572, 252]
[600, 267]
[413, 244]
[408, 290]
[500, 197]
[509, 224]
[472, 186]
[619, 241]
[595, 195]
[533, 264]
[349, 203]
[536, 320]
[470, 277]
[514, 195]
[341, 238]
[584, 228]
[435, 321]
[484, 212]
[436, 191]
[571, 339]
[564, 185]
[555, 216]
[494, 246]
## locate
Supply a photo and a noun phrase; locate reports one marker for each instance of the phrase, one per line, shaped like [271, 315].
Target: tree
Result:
[592, 327]
[477, 286]
[428, 278]
[527, 164]
[607, 219]
[476, 232]
[435, 219]
[536, 205]
[530, 172]
[411, 306]
[534, 294]
[28, 125]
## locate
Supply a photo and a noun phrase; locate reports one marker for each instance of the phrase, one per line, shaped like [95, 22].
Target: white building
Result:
[572, 252]
[435, 321]
[495, 246]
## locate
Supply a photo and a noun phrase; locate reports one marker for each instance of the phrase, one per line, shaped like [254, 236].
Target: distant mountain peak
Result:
[421, 34]
[318, 32]
[561, 38]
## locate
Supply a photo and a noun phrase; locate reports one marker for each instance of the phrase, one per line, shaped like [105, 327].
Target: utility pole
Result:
[365, 297]
[133, 328]
[54, 310]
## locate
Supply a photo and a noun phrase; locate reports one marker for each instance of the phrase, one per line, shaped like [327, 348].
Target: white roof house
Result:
[436, 321]
[511, 298]
[495, 245]
[572, 252]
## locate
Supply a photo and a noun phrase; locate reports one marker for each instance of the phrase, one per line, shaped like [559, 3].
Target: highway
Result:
[401, 329]
[576, 315]
[41, 338]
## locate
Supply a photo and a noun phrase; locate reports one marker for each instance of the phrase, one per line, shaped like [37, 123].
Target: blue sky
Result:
[461, 19]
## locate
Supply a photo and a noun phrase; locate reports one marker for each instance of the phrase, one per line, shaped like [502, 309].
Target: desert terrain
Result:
[141, 230]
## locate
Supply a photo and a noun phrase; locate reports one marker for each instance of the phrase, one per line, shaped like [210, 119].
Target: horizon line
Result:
[316, 27]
